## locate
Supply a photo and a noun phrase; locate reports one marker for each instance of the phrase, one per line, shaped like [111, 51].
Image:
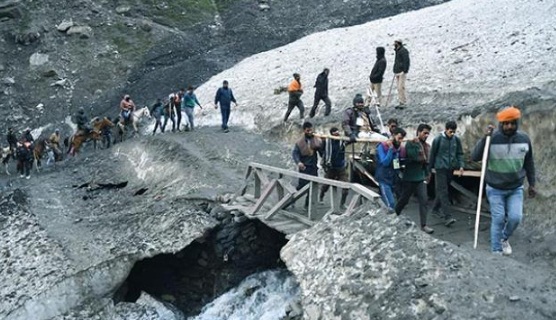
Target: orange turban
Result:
[508, 114]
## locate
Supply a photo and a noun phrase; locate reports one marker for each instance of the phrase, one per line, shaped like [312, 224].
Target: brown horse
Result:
[40, 148]
[80, 137]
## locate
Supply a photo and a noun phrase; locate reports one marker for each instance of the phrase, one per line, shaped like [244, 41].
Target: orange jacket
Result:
[294, 86]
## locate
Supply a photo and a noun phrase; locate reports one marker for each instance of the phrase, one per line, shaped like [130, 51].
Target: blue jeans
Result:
[387, 195]
[225, 110]
[506, 210]
[190, 116]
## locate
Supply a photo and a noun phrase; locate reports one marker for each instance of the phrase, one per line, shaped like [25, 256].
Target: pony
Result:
[95, 134]
[134, 118]
[5, 154]
[41, 147]
[102, 125]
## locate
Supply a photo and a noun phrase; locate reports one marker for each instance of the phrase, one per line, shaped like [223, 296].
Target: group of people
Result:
[22, 149]
[186, 100]
[400, 69]
[404, 167]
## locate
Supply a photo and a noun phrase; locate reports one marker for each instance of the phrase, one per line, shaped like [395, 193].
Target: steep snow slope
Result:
[463, 53]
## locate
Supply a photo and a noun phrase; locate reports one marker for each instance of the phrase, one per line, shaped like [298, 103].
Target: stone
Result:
[59, 83]
[146, 26]
[38, 59]
[123, 9]
[83, 32]
[27, 37]
[65, 25]
[8, 81]
[514, 298]
[264, 7]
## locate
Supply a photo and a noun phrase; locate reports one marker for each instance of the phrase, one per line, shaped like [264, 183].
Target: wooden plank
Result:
[353, 204]
[297, 175]
[468, 194]
[345, 138]
[313, 198]
[289, 198]
[466, 173]
[279, 190]
[298, 217]
[364, 171]
[257, 191]
[264, 196]
[245, 184]
[364, 191]
[287, 186]
[278, 206]
[334, 199]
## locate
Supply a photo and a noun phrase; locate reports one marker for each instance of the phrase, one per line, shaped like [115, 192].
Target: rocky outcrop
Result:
[375, 266]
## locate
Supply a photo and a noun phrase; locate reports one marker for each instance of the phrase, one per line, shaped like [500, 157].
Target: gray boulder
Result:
[65, 25]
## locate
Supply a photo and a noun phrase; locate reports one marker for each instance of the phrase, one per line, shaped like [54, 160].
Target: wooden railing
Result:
[273, 193]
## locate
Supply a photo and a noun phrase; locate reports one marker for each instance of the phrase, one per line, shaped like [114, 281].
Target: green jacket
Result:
[416, 155]
[446, 153]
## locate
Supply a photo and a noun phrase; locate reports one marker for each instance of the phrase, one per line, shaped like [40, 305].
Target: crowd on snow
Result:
[403, 168]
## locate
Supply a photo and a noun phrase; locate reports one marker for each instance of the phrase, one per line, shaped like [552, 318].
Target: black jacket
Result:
[350, 118]
[401, 62]
[377, 74]
[321, 85]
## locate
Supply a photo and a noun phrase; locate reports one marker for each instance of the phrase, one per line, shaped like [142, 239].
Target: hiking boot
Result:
[449, 222]
[427, 229]
[506, 248]
[22, 176]
[226, 130]
[498, 253]
[29, 177]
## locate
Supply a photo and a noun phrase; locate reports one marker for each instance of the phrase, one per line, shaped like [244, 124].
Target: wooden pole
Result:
[390, 92]
[344, 138]
[481, 185]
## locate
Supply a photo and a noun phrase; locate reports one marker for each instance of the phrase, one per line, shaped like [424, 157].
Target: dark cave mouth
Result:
[207, 268]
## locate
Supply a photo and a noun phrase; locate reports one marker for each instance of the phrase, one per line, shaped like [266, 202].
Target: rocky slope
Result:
[88, 53]
[70, 237]
[374, 266]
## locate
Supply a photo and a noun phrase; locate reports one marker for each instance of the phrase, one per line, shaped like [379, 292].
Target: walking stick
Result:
[481, 185]
[390, 92]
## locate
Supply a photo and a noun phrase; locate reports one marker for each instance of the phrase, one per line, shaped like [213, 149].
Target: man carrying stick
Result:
[510, 160]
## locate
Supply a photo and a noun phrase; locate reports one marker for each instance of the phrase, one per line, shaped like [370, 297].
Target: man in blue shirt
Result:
[225, 97]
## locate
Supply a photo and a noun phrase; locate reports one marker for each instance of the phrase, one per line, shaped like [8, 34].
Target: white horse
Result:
[135, 117]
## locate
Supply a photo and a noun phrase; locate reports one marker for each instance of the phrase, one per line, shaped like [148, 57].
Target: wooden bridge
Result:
[274, 199]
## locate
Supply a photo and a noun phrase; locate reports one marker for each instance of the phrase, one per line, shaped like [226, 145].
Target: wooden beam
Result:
[313, 198]
[297, 175]
[287, 186]
[298, 217]
[245, 184]
[345, 138]
[257, 191]
[334, 199]
[468, 194]
[364, 171]
[364, 191]
[265, 194]
[352, 204]
[471, 211]
[289, 198]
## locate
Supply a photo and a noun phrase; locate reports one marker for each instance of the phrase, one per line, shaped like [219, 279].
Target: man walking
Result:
[333, 155]
[510, 160]
[388, 166]
[305, 155]
[225, 97]
[377, 73]
[401, 68]
[446, 155]
[416, 174]
[295, 91]
[157, 109]
[321, 93]
[12, 141]
[189, 102]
